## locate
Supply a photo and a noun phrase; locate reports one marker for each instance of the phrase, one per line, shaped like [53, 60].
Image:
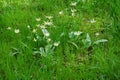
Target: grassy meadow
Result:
[59, 40]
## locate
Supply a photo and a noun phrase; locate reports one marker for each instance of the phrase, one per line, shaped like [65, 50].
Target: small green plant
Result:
[88, 42]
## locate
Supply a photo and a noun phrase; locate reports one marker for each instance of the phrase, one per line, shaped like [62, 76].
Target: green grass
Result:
[70, 55]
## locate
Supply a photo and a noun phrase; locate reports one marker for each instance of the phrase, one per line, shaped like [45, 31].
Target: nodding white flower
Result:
[93, 21]
[77, 33]
[73, 10]
[73, 4]
[45, 32]
[42, 26]
[17, 30]
[38, 19]
[38, 25]
[28, 26]
[34, 39]
[49, 17]
[9, 28]
[97, 34]
[34, 30]
[56, 43]
[61, 12]
[48, 23]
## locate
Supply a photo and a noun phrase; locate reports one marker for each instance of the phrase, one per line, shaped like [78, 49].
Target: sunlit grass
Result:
[59, 40]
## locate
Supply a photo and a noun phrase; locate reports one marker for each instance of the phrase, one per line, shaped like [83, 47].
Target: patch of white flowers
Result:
[74, 33]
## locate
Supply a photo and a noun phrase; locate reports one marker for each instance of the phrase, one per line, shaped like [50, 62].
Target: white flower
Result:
[34, 39]
[97, 34]
[77, 33]
[73, 14]
[73, 10]
[45, 32]
[93, 21]
[38, 19]
[34, 30]
[48, 40]
[9, 28]
[17, 30]
[38, 25]
[61, 12]
[73, 4]
[48, 23]
[28, 26]
[42, 27]
[56, 43]
[49, 17]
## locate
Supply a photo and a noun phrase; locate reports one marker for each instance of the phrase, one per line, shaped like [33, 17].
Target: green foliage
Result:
[59, 40]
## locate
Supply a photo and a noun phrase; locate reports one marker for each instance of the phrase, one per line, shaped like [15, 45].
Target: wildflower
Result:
[49, 17]
[34, 30]
[38, 19]
[17, 30]
[93, 21]
[97, 34]
[77, 33]
[34, 39]
[45, 32]
[48, 40]
[9, 28]
[73, 10]
[38, 25]
[28, 26]
[56, 43]
[61, 12]
[48, 23]
[73, 14]
[73, 4]
[71, 34]
[42, 27]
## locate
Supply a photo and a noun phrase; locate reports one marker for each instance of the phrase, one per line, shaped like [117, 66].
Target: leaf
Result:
[25, 45]
[88, 40]
[45, 32]
[100, 41]
[42, 51]
[73, 44]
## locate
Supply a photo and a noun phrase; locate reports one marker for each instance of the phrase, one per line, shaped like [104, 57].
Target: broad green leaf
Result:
[100, 41]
